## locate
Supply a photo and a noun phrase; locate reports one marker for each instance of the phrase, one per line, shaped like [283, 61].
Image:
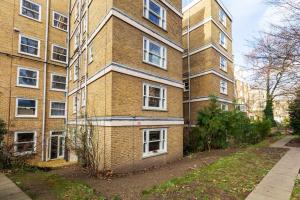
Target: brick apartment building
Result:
[125, 80]
[207, 60]
[111, 69]
[33, 60]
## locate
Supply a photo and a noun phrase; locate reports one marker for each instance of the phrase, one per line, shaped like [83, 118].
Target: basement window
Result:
[58, 82]
[25, 142]
[60, 21]
[26, 107]
[155, 54]
[155, 13]
[30, 10]
[59, 54]
[154, 97]
[27, 77]
[224, 107]
[154, 142]
[29, 46]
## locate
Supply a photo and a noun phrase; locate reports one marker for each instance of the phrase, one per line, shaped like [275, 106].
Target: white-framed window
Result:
[223, 63]
[57, 109]
[90, 54]
[59, 54]
[154, 142]
[222, 17]
[154, 53]
[154, 97]
[28, 78]
[155, 13]
[30, 10]
[76, 104]
[186, 86]
[29, 46]
[223, 87]
[76, 71]
[224, 107]
[223, 40]
[25, 142]
[60, 21]
[26, 107]
[58, 82]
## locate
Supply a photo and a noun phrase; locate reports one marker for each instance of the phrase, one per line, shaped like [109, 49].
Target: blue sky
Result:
[249, 17]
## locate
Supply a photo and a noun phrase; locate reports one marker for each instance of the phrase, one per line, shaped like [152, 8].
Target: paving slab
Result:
[10, 191]
[278, 184]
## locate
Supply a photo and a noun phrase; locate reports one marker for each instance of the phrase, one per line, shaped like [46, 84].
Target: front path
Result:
[9, 190]
[278, 184]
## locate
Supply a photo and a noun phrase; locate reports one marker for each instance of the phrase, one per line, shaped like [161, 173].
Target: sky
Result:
[249, 18]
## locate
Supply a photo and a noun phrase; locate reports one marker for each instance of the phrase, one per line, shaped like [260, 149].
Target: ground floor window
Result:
[25, 142]
[154, 141]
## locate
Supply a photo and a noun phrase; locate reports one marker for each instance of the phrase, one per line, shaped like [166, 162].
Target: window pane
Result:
[154, 92]
[27, 77]
[25, 137]
[154, 135]
[154, 48]
[154, 146]
[154, 102]
[25, 147]
[26, 107]
[154, 18]
[155, 8]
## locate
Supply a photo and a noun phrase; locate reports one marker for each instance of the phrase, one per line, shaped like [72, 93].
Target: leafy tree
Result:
[294, 112]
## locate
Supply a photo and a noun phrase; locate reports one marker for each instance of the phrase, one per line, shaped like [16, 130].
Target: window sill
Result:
[153, 109]
[26, 116]
[149, 63]
[163, 29]
[29, 87]
[57, 117]
[154, 155]
[57, 90]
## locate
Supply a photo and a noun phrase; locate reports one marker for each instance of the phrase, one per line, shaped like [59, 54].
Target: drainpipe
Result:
[189, 69]
[45, 82]
[67, 78]
[86, 63]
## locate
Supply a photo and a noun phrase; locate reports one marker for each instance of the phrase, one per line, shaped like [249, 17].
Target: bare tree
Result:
[274, 67]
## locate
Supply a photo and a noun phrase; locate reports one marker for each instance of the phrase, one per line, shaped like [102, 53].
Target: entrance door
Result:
[57, 145]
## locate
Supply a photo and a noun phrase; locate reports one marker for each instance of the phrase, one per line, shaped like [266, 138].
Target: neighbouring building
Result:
[207, 60]
[257, 103]
[125, 81]
[242, 90]
[33, 61]
[281, 110]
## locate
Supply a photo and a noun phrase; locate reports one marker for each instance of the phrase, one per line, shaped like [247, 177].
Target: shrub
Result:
[294, 113]
[217, 128]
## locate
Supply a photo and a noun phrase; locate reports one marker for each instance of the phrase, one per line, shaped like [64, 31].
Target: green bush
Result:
[217, 129]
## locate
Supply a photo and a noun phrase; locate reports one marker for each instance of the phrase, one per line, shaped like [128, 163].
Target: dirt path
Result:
[131, 186]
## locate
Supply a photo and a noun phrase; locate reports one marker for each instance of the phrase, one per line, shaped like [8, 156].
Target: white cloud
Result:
[272, 15]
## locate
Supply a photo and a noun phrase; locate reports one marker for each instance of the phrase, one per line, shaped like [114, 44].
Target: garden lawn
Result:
[232, 177]
[296, 191]
[47, 186]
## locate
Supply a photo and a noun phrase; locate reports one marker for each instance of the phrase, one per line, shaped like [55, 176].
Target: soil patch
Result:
[131, 185]
[294, 143]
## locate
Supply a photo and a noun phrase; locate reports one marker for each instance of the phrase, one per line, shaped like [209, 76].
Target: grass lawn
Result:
[296, 192]
[232, 177]
[44, 185]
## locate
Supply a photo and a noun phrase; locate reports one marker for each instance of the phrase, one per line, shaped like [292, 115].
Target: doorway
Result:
[57, 145]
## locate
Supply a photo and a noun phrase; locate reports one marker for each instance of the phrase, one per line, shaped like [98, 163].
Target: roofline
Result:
[194, 2]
